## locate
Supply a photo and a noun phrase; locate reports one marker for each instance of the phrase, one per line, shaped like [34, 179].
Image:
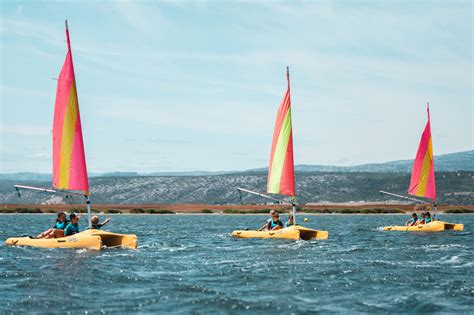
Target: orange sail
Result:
[422, 182]
[69, 161]
[281, 174]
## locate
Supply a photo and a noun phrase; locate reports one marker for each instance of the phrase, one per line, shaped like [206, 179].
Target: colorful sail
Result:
[69, 162]
[281, 174]
[422, 182]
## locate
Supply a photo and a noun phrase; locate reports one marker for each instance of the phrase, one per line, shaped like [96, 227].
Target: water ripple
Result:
[190, 264]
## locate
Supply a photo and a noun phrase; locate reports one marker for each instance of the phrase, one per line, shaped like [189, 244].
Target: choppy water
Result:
[190, 264]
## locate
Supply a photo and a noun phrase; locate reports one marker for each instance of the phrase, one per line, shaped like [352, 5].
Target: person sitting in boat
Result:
[58, 229]
[95, 222]
[73, 226]
[274, 223]
[428, 217]
[291, 220]
[421, 219]
[413, 220]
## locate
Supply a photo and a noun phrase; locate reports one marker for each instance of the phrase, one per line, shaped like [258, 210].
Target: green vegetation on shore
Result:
[82, 211]
[150, 211]
[460, 210]
[328, 210]
[236, 211]
[354, 211]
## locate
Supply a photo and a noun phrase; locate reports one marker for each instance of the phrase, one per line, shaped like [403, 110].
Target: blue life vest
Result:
[71, 229]
[61, 225]
[272, 224]
[427, 220]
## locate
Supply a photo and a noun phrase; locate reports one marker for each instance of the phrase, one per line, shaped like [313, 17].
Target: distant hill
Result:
[336, 187]
[460, 161]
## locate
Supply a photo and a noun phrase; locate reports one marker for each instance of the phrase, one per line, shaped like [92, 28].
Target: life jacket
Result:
[71, 229]
[272, 224]
[61, 225]
[427, 220]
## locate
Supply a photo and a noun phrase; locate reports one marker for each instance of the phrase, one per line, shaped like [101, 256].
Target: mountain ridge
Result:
[451, 162]
[318, 187]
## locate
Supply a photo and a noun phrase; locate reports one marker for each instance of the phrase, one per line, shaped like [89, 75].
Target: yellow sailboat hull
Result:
[435, 226]
[294, 232]
[90, 239]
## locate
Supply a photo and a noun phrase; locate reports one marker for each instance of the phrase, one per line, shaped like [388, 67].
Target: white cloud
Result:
[25, 129]
[30, 29]
[143, 16]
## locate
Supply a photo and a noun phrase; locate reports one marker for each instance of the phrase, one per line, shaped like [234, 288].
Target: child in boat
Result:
[413, 220]
[421, 220]
[58, 229]
[290, 221]
[428, 217]
[73, 226]
[95, 222]
[273, 223]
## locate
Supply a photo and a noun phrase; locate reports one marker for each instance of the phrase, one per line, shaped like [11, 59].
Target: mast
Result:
[281, 169]
[293, 198]
[78, 156]
[69, 161]
[422, 182]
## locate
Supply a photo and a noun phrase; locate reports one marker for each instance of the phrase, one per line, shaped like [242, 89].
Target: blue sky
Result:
[195, 85]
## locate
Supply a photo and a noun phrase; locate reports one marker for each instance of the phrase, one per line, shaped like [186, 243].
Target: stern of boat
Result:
[310, 234]
[116, 240]
[454, 226]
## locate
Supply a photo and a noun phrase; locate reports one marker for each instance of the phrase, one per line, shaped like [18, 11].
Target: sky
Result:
[195, 85]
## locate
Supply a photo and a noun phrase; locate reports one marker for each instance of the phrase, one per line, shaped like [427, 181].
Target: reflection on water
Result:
[190, 263]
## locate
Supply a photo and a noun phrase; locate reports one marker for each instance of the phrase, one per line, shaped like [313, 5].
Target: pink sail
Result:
[69, 161]
[281, 173]
[422, 182]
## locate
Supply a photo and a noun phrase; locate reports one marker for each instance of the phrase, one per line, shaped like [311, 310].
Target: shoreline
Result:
[230, 209]
[300, 214]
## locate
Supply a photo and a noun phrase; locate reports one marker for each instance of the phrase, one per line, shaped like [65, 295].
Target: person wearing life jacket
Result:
[273, 223]
[428, 218]
[421, 219]
[58, 229]
[73, 226]
[95, 222]
[291, 220]
[413, 220]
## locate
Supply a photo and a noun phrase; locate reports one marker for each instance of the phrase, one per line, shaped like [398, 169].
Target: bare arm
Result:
[265, 226]
[105, 221]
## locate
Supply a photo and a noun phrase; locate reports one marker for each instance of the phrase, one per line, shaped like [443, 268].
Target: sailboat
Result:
[422, 184]
[281, 177]
[69, 168]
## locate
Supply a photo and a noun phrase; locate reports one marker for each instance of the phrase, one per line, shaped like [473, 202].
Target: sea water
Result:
[190, 264]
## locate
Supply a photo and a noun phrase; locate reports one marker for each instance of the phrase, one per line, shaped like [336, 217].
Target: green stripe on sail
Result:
[279, 155]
